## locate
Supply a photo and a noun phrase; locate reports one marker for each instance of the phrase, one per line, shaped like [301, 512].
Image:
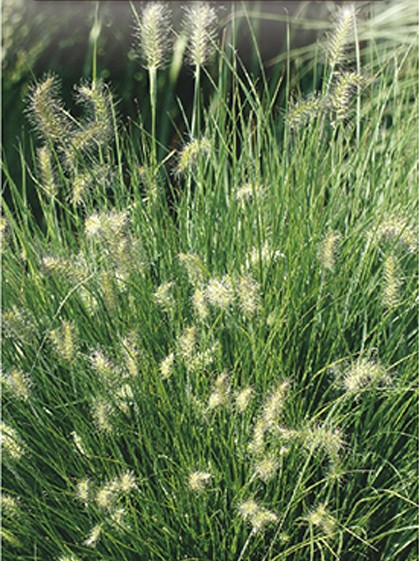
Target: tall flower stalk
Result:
[201, 29]
[153, 34]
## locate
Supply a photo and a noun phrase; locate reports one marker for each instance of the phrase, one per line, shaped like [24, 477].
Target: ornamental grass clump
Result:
[210, 335]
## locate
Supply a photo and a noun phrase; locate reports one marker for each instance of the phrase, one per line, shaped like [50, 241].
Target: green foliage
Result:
[211, 353]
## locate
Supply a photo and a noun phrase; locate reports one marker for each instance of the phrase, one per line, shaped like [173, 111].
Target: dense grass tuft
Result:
[210, 353]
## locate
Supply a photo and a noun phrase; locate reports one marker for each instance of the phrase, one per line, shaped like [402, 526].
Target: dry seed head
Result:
[328, 250]
[94, 536]
[257, 444]
[220, 397]
[81, 185]
[338, 40]
[78, 443]
[131, 355]
[19, 384]
[249, 295]
[200, 361]
[219, 292]
[98, 97]
[83, 489]
[261, 519]
[243, 398]
[187, 343]
[249, 192]
[63, 341]
[101, 364]
[302, 111]
[46, 171]
[265, 254]
[106, 496]
[321, 437]
[266, 468]
[126, 482]
[9, 506]
[344, 90]
[363, 374]
[107, 226]
[153, 34]
[166, 366]
[117, 519]
[199, 303]
[10, 442]
[397, 229]
[248, 509]
[198, 480]
[164, 296]
[201, 27]
[102, 413]
[274, 404]
[321, 518]
[3, 234]
[191, 153]
[391, 282]
[47, 112]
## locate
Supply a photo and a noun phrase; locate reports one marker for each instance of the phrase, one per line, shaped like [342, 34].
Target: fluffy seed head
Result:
[10, 506]
[200, 361]
[107, 226]
[249, 295]
[199, 147]
[198, 480]
[248, 192]
[300, 112]
[153, 34]
[340, 37]
[201, 29]
[274, 404]
[199, 303]
[164, 296]
[322, 437]
[328, 249]
[47, 112]
[63, 339]
[258, 516]
[46, 171]
[362, 374]
[220, 396]
[166, 366]
[219, 292]
[83, 489]
[398, 229]
[98, 98]
[187, 343]
[102, 413]
[10, 442]
[345, 88]
[264, 254]
[18, 383]
[248, 509]
[106, 496]
[266, 468]
[321, 518]
[78, 443]
[263, 518]
[243, 399]
[94, 536]
[126, 482]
